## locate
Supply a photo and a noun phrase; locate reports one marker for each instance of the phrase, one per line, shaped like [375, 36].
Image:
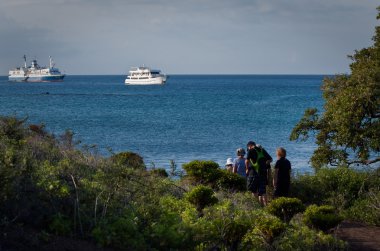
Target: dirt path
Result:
[359, 236]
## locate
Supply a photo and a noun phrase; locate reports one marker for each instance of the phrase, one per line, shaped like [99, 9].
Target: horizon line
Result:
[219, 74]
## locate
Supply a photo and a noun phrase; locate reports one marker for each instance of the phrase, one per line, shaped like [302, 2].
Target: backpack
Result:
[260, 155]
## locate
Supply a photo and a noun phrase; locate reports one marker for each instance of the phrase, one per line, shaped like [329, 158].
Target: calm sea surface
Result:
[191, 117]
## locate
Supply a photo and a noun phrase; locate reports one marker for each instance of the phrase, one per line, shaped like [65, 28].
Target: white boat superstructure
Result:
[36, 73]
[145, 76]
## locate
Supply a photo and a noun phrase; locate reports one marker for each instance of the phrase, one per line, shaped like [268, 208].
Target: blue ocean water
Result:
[191, 117]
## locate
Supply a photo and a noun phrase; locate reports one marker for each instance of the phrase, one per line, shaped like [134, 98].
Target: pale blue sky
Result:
[186, 37]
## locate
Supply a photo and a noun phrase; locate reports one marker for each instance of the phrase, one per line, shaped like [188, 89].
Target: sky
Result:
[186, 37]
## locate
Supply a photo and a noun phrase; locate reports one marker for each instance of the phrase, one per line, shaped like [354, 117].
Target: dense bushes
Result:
[222, 226]
[339, 187]
[226, 226]
[160, 172]
[203, 172]
[366, 209]
[52, 187]
[346, 189]
[265, 230]
[209, 173]
[201, 196]
[231, 181]
[321, 217]
[119, 232]
[300, 237]
[285, 208]
[129, 159]
[60, 225]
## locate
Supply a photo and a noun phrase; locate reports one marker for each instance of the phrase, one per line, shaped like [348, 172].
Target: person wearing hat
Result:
[239, 163]
[257, 163]
[229, 164]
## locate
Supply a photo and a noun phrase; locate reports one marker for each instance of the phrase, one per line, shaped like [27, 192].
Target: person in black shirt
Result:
[257, 163]
[281, 179]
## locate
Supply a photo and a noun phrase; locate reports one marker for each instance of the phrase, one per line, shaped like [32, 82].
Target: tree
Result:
[348, 131]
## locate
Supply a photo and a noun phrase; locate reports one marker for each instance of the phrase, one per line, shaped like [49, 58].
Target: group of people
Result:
[255, 168]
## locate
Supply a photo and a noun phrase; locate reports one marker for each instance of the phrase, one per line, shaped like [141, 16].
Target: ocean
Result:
[190, 117]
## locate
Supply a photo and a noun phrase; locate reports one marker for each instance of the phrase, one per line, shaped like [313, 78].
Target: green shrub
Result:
[339, 187]
[266, 228]
[60, 225]
[222, 227]
[201, 196]
[119, 232]
[231, 181]
[321, 217]
[203, 172]
[285, 208]
[47, 184]
[306, 187]
[129, 159]
[209, 173]
[366, 209]
[225, 226]
[160, 172]
[12, 128]
[175, 205]
[242, 200]
[169, 232]
[301, 238]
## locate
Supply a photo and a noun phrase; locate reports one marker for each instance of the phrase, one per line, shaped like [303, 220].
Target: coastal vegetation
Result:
[52, 190]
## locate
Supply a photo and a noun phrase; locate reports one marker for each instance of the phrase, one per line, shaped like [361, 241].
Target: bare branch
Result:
[364, 162]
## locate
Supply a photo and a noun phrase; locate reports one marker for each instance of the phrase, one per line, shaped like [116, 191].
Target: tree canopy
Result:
[348, 130]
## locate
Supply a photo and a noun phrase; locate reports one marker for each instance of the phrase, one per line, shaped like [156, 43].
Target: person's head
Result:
[240, 152]
[281, 153]
[251, 145]
[229, 162]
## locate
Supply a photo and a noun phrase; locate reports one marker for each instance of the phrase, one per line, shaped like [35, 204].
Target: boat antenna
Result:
[24, 61]
[50, 62]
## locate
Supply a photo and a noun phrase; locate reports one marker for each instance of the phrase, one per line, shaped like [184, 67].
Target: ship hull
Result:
[148, 81]
[38, 78]
[17, 78]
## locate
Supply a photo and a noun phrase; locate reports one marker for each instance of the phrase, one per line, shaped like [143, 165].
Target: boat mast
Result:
[24, 61]
[50, 62]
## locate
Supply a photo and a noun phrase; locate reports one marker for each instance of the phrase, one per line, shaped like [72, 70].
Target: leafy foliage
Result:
[203, 172]
[265, 229]
[60, 225]
[119, 232]
[351, 192]
[351, 119]
[209, 173]
[300, 237]
[201, 196]
[285, 208]
[50, 185]
[338, 187]
[231, 181]
[221, 226]
[160, 172]
[129, 159]
[366, 209]
[321, 217]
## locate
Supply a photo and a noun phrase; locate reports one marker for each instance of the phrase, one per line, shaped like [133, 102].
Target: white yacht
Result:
[145, 76]
[36, 73]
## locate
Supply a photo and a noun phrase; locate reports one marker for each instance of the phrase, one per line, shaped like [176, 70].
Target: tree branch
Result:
[364, 162]
[77, 203]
